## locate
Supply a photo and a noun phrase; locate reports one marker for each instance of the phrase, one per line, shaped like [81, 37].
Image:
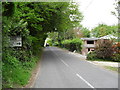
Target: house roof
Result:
[108, 37]
[104, 37]
[89, 38]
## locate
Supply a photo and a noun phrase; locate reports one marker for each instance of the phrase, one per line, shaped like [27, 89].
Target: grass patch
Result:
[108, 60]
[112, 68]
[17, 73]
[14, 76]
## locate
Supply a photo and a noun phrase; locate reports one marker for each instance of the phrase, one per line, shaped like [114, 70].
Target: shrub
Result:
[116, 49]
[49, 42]
[104, 49]
[66, 44]
[14, 70]
[55, 44]
[73, 44]
[116, 57]
[92, 55]
[77, 44]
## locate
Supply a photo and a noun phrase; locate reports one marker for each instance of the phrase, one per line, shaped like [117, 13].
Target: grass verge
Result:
[104, 60]
[112, 68]
[16, 74]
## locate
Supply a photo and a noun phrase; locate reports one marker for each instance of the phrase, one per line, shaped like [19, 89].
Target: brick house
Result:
[88, 45]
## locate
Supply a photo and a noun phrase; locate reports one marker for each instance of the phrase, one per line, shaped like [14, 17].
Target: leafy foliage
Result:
[116, 54]
[73, 44]
[117, 4]
[104, 49]
[81, 32]
[116, 57]
[32, 21]
[85, 32]
[92, 56]
[16, 72]
[49, 42]
[103, 30]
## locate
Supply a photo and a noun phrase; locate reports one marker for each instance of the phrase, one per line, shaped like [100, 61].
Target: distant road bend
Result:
[61, 69]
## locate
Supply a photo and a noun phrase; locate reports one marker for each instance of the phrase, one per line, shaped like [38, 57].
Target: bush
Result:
[104, 49]
[116, 57]
[55, 44]
[116, 49]
[16, 72]
[74, 44]
[49, 42]
[13, 72]
[66, 44]
[92, 55]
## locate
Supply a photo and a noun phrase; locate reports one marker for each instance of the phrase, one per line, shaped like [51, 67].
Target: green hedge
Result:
[92, 55]
[105, 51]
[73, 44]
[16, 71]
[116, 57]
[49, 42]
[55, 44]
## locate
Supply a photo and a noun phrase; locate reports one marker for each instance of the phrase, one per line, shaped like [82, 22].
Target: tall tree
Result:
[102, 30]
[32, 21]
[81, 32]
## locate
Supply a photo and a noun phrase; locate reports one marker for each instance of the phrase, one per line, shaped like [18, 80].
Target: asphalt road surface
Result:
[61, 69]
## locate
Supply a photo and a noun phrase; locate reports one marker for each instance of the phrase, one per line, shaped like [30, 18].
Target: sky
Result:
[97, 12]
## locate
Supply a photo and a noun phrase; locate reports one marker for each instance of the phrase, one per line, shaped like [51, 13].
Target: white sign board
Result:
[16, 41]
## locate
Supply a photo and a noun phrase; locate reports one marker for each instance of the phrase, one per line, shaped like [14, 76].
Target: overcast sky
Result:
[97, 12]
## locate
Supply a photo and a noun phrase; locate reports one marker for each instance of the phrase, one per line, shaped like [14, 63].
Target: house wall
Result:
[86, 46]
[91, 46]
[84, 51]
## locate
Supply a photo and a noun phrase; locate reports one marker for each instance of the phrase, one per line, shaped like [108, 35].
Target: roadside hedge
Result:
[105, 51]
[72, 44]
[92, 55]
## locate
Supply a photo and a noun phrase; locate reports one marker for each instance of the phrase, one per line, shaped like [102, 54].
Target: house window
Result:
[90, 42]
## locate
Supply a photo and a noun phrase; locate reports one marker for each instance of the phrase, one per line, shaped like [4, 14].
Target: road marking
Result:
[61, 59]
[65, 63]
[75, 72]
[85, 81]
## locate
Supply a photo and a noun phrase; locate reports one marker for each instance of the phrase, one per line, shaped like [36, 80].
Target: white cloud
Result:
[97, 11]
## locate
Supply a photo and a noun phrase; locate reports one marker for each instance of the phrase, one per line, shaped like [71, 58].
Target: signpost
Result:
[16, 41]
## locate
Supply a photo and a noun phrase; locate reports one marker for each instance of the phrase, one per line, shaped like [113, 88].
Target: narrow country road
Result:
[61, 69]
